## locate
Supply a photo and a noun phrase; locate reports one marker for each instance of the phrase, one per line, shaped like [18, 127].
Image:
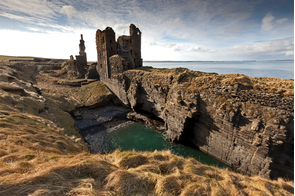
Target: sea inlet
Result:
[106, 129]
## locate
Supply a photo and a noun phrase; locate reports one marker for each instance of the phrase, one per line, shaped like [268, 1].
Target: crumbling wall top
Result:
[134, 30]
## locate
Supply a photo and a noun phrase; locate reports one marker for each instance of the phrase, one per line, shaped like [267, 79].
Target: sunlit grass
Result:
[41, 157]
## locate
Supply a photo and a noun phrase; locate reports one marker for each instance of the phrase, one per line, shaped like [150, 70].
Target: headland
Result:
[47, 109]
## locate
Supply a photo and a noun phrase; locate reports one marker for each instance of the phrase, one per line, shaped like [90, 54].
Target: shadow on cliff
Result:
[282, 155]
[197, 129]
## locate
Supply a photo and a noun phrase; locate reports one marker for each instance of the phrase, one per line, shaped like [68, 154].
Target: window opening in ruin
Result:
[130, 40]
[131, 52]
[134, 60]
[102, 40]
[100, 65]
[138, 33]
[111, 48]
[110, 41]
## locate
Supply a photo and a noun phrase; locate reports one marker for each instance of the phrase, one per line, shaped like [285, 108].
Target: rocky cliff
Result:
[42, 153]
[245, 122]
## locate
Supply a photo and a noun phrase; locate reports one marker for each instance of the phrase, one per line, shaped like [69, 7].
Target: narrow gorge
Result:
[245, 122]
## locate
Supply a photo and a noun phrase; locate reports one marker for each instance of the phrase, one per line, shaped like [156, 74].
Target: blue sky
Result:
[171, 30]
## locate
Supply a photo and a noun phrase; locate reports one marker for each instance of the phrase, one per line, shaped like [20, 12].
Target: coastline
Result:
[41, 145]
[151, 61]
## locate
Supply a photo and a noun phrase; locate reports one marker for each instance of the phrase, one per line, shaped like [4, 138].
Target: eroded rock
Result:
[252, 132]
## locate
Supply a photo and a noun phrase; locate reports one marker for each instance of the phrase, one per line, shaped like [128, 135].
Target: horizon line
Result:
[216, 60]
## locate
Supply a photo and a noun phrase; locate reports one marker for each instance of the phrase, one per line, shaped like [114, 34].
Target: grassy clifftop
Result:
[42, 154]
[196, 81]
[37, 159]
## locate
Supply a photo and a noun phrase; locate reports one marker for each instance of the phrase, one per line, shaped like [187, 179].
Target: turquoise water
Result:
[277, 69]
[140, 137]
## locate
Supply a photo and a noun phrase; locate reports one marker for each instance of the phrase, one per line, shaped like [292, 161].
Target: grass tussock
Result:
[195, 81]
[53, 169]
[37, 159]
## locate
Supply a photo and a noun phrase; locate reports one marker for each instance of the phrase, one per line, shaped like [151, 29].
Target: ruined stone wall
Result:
[82, 59]
[128, 47]
[106, 47]
[117, 65]
[124, 47]
[135, 47]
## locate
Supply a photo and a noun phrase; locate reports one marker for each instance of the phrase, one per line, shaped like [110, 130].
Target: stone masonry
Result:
[81, 58]
[127, 49]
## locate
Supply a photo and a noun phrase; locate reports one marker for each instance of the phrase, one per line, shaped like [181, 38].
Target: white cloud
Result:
[54, 44]
[199, 49]
[280, 21]
[177, 21]
[176, 48]
[169, 45]
[280, 46]
[166, 26]
[172, 46]
[290, 53]
[151, 43]
[36, 12]
[68, 10]
[41, 10]
[267, 22]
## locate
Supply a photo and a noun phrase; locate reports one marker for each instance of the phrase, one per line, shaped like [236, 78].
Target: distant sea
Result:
[271, 69]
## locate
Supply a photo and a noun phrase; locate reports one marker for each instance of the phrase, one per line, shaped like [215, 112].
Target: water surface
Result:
[140, 137]
[273, 69]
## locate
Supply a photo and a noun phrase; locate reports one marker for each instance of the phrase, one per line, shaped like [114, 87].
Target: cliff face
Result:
[233, 118]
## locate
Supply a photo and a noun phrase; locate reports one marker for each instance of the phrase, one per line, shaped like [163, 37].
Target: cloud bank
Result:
[189, 29]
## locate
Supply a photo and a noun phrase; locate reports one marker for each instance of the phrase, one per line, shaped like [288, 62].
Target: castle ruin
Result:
[81, 58]
[113, 56]
[75, 69]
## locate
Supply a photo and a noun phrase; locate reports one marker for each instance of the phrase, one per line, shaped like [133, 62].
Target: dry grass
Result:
[38, 158]
[194, 81]
[4, 58]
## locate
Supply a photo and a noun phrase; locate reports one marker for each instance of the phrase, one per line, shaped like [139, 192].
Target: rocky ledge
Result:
[245, 122]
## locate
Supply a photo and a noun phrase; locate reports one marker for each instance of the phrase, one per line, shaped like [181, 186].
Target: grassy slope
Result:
[196, 81]
[38, 158]
[5, 58]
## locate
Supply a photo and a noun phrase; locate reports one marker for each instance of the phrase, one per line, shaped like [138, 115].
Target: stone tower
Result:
[127, 50]
[106, 47]
[81, 58]
[135, 47]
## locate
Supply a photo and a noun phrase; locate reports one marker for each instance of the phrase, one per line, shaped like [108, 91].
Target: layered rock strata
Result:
[250, 130]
